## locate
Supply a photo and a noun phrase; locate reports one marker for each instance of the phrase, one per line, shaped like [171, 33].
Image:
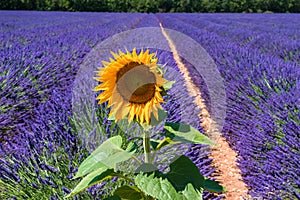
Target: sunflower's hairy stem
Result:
[146, 141]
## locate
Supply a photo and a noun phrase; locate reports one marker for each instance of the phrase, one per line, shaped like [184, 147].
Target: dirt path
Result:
[224, 158]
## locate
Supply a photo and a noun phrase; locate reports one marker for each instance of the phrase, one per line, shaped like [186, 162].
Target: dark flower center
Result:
[136, 83]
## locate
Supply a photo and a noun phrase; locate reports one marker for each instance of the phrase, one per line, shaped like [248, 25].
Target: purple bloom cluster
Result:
[40, 55]
[258, 57]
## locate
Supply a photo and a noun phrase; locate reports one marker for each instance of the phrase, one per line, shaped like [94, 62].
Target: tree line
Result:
[153, 6]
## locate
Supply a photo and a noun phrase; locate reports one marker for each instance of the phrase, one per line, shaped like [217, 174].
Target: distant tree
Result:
[209, 6]
[294, 6]
[144, 6]
[12, 5]
[165, 5]
[155, 5]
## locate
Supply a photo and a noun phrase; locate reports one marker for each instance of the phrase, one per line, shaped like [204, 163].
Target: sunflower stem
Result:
[146, 141]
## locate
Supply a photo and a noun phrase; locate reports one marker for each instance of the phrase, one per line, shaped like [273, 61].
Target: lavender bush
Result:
[258, 56]
[260, 63]
[39, 147]
[40, 55]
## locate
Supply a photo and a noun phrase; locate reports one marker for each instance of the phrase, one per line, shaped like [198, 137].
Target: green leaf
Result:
[91, 179]
[162, 115]
[168, 85]
[213, 186]
[158, 144]
[158, 188]
[114, 197]
[131, 147]
[185, 133]
[182, 172]
[107, 155]
[146, 167]
[190, 192]
[128, 193]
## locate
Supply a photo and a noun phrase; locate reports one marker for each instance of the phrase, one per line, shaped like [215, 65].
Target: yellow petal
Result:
[105, 64]
[155, 112]
[141, 55]
[142, 114]
[116, 56]
[147, 112]
[120, 106]
[121, 52]
[111, 60]
[134, 55]
[131, 114]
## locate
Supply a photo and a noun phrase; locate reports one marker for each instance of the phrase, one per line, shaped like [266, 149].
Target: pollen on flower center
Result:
[136, 83]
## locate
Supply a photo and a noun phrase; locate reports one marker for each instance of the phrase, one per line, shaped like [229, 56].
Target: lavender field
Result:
[258, 56]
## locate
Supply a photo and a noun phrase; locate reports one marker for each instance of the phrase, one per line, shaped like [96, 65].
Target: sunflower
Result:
[132, 84]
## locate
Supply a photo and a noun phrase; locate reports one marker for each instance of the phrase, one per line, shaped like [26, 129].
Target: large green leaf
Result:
[190, 193]
[158, 188]
[185, 133]
[91, 179]
[114, 197]
[128, 193]
[213, 186]
[107, 155]
[162, 189]
[182, 172]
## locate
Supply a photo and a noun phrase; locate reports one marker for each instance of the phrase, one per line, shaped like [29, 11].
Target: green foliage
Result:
[154, 6]
[107, 155]
[162, 189]
[182, 172]
[128, 192]
[190, 193]
[184, 133]
[91, 179]
[183, 181]
[213, 186]
[158, 188]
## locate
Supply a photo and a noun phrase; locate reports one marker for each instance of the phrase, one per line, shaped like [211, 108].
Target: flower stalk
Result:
[146, 143]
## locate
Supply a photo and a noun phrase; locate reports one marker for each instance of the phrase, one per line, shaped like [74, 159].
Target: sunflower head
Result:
[131, 84]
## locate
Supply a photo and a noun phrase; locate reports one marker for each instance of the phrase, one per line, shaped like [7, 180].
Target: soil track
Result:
[224, 158]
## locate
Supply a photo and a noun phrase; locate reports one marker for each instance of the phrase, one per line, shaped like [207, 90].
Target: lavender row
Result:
[39, 148]
[180, 105]
[12, 20]
[275, 40]
[278, 24]
[263, 111]
[34, 66]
